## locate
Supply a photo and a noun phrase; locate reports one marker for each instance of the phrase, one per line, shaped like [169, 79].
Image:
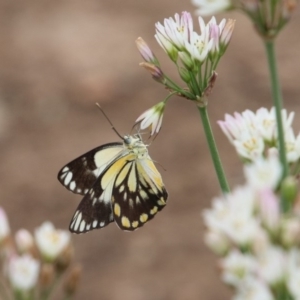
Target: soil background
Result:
[60, 57]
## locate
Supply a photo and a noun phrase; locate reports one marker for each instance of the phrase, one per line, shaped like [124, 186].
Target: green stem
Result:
[277, 101]
[213, 150]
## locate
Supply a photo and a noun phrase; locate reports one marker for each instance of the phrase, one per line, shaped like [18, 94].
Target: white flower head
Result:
[4, 225]
[264, 173]
[237, 266]
[211, 7]
[50, 241]
[152, 118]
[23, 272]
[24, 240]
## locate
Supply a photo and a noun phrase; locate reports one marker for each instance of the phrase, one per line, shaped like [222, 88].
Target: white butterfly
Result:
[119, 182]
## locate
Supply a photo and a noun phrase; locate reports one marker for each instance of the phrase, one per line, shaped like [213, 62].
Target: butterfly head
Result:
[135, 144]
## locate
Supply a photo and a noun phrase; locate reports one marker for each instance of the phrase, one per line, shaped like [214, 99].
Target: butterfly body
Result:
[119, 182]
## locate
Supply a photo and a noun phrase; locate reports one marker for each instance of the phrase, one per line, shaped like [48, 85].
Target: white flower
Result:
[50, 241]
[266, 122]
[241, 227]
[269, 208]
[177, 30]
[292, 146]
[152, 118]
[237, 266]
[264, 173]
[199, 46]
[272, 265]
[23, 272]
[250, 145]
[211, 7]
[4, 226]
[253, 289]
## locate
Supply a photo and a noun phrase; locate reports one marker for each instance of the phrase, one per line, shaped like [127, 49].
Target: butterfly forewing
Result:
[79, 175]
[137, 194]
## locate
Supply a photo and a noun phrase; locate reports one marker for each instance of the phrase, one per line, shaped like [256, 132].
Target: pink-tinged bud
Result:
[146, 52]
[226, 34]
[155, 71]
[269, 209]
[24, 241]
[4, 226]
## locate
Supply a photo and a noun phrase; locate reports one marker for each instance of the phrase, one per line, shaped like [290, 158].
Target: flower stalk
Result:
[213, 150]
[277, 101]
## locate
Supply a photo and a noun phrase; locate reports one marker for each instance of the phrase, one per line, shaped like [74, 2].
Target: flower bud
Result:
[155, 71]
[47, 275]
[217, 242]
[290, 232]
[289, 190]
[146, 52]
[184, 74]
[64, 259]
[4, 226]
[72, 282]
[24, 241]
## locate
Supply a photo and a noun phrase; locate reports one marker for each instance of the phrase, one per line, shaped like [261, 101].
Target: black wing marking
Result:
[79, 175]
[92, 212]
[137, 196]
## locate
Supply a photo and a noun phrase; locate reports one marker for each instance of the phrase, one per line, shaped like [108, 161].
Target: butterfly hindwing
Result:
[79, 175]
[94, 210]
[137, 194]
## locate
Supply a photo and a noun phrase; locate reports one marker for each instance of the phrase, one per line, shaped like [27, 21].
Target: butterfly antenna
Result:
[109, 121]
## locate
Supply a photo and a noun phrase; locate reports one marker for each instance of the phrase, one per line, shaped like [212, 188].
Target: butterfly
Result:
[119, 182]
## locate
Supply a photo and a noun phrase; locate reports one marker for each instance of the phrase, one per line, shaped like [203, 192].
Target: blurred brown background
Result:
[57, 59]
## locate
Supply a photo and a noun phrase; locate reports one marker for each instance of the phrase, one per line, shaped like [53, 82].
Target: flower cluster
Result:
[34, 263]
[255, 134]
[258, 243]
[196, 56]
[268, 16]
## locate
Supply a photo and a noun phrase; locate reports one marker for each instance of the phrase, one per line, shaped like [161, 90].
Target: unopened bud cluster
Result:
[34, 262]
